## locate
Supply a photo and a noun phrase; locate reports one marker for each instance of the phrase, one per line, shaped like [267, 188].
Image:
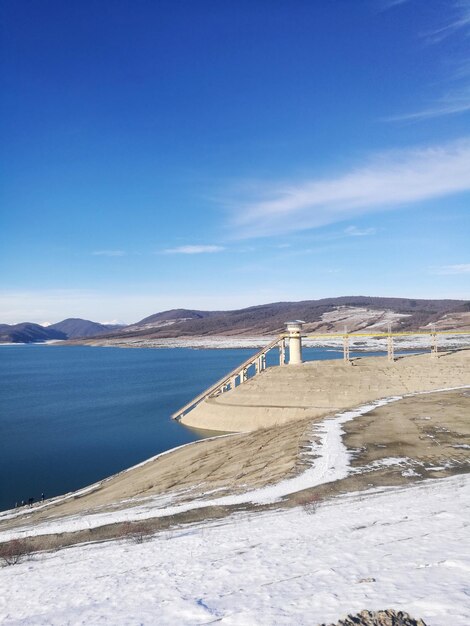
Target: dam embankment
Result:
[311, 390]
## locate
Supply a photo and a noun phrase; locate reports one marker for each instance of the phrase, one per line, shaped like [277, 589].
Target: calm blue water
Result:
[72, 415]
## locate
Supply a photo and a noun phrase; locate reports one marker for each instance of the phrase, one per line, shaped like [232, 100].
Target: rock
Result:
[389, 617]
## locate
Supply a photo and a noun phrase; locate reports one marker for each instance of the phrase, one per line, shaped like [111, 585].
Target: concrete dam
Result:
[297, 390]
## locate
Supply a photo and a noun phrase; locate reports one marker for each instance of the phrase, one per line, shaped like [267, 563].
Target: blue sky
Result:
[215, 155]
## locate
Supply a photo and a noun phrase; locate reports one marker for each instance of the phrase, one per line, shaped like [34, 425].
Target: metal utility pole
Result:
[433, 341]
[346, 346]
[390, 346]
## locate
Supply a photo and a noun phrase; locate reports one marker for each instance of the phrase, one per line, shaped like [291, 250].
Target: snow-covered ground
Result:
[357, 318]
[402, 548]
[405, 548]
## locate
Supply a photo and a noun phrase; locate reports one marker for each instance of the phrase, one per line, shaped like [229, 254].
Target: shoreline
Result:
[215, 342]
[319, 452]
[313, 462]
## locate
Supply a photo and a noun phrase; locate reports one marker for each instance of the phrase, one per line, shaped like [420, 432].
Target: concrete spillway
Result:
[283, 394]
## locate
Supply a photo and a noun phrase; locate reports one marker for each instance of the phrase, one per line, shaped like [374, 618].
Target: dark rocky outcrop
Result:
[388, 617]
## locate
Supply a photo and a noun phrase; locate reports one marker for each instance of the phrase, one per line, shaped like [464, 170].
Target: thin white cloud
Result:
[462, 268]
[353, 231]
[451, 104]
[459, 22]
[41, 304]
[385, 5]
[194, 249]
[109, 253]
[456, 22]
[388, 181]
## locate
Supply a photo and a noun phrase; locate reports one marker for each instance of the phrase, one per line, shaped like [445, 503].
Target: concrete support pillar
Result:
[295, 342]
[390, 349]
[242, 376]
[346, 349]
[282, 352]
[233, 382]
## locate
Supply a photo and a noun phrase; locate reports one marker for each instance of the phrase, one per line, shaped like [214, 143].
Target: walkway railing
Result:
[239, 374]
[432, 334]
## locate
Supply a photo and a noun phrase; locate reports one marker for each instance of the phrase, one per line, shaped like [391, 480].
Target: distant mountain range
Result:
[72, 328]
[27, 332]
[75, 328]
[327, 315]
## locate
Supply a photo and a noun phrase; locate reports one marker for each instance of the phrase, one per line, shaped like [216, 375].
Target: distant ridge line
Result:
[323, 315]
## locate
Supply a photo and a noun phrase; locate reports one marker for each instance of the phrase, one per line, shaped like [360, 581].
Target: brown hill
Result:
[326, 315]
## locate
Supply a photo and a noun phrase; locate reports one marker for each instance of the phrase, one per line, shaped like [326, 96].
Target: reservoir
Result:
[71, 415]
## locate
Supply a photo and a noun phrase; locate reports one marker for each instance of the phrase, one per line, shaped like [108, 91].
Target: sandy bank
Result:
[314, 389]
[233, 464]
[416, 438]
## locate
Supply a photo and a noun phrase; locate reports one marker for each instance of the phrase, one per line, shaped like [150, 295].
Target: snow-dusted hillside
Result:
[399, 548]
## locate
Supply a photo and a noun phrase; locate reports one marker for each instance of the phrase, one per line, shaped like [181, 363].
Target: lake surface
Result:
[71, 415]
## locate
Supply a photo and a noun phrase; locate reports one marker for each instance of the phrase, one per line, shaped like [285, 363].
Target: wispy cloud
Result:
[459, 22]
[109, 253]
[462, 69]
[462, 268]
[353, 231]
[55, 305]
[194, 249]
[385, 5]
[387, 181]
[456, 22]
[451, 104]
